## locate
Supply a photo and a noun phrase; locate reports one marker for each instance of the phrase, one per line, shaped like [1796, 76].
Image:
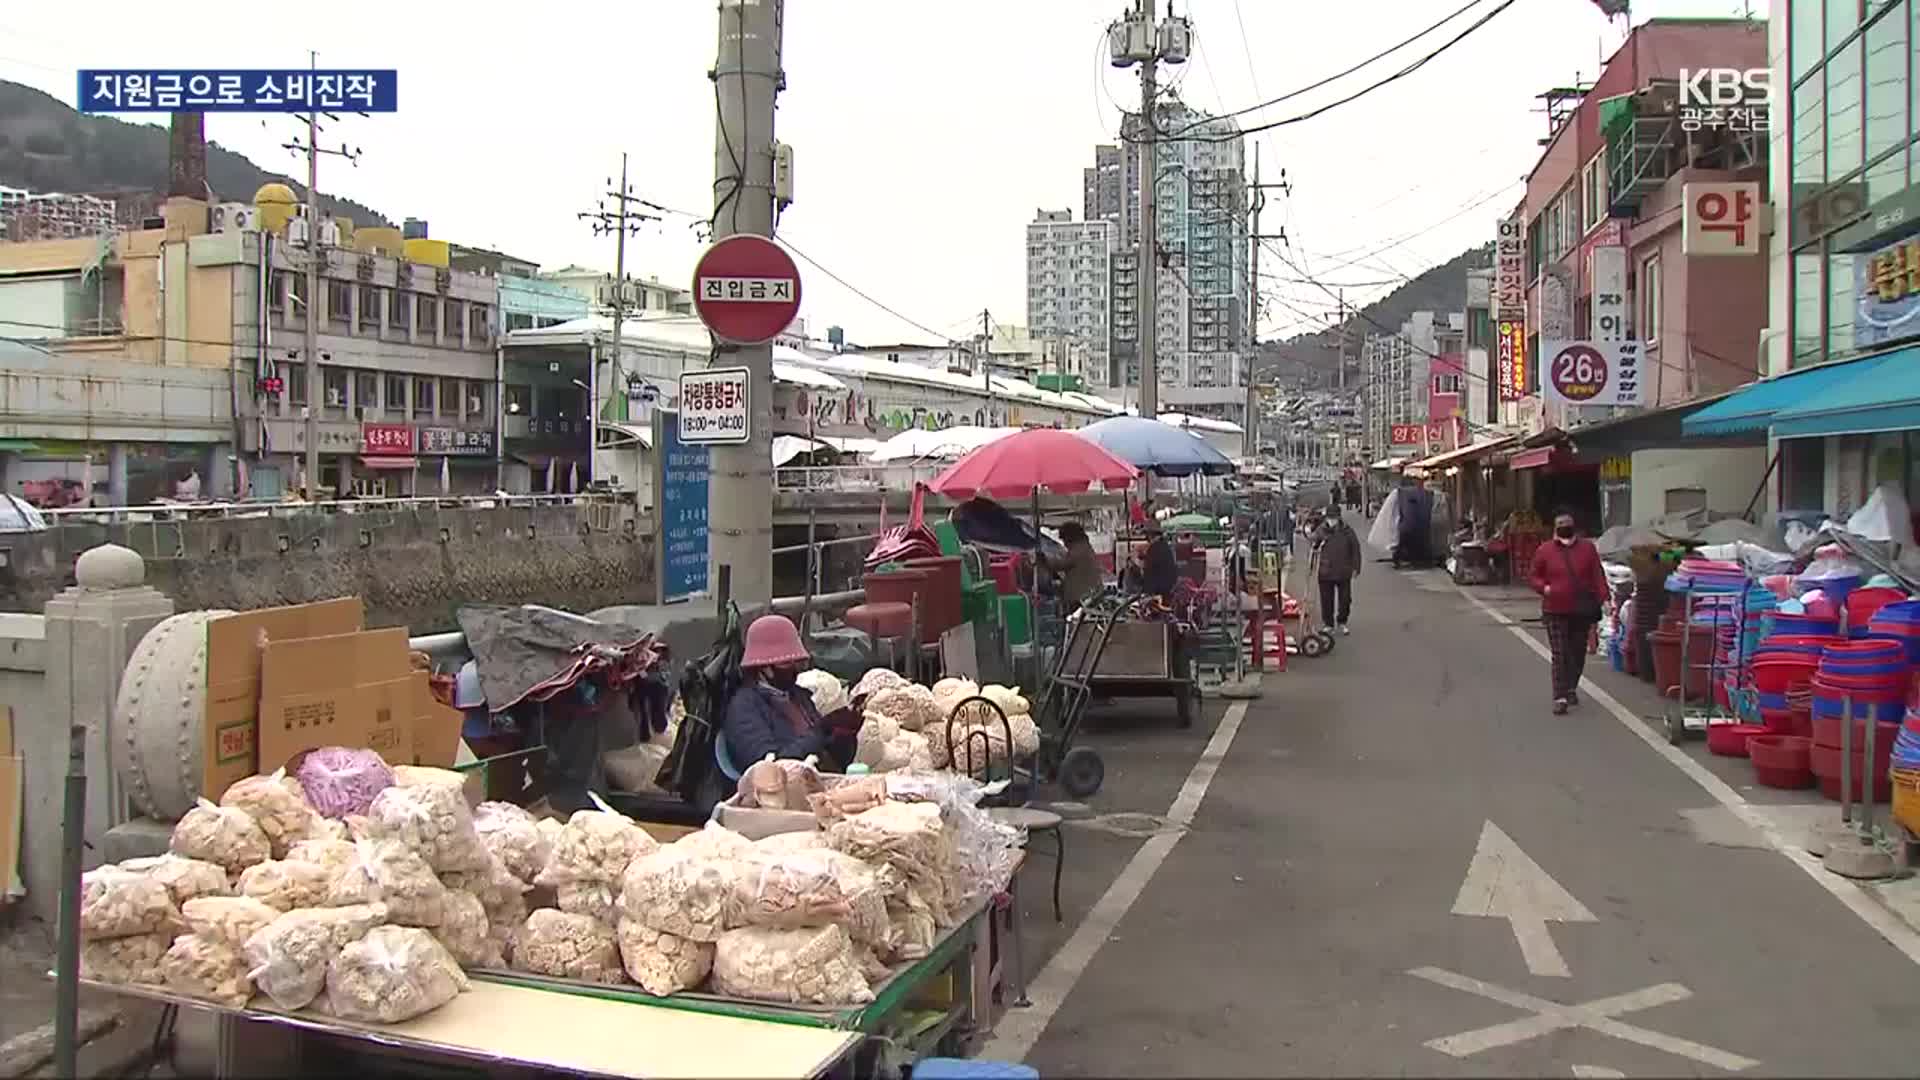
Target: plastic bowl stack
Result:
[1873, 673]
[1898, 621]
[1863, 604]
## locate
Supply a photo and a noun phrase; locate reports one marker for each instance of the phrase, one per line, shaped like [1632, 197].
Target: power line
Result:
[862, 294]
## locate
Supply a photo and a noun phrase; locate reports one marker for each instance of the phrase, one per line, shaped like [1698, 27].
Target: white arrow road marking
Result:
[1504, 883]
[1597, 1072]
[1549, 1016]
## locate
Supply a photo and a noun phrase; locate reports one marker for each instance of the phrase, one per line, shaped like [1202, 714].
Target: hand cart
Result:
[1682, 724]
[1064, 695]
[1316, 638]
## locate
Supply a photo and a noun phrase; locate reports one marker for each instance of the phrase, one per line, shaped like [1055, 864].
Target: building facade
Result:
[1070, 282]
[28, 215]
[650, 295]
[1397, 375]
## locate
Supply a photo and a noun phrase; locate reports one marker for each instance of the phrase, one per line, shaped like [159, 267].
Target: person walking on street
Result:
[1340, 559]
[1567, 574]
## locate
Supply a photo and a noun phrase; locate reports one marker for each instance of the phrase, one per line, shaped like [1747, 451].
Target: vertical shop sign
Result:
[680, 496]
[1609, 277]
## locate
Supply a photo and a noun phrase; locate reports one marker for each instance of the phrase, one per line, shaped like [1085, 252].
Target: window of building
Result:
[518, 321]
[1808, 283]
[339, 301]
[370, 307]
[366, 391]
[1844, 127]
[293, 377]
[426, 313]
[1840, 305]
[1594, 189]
[1804, 36]
[333, 388]
[1887, 126]
[422, 397]
[450, 402]
[1650, 297]
[277, 291]
[396, 401]
[297, 288]
[1842, 17]
[399, 310]
[450, 327]
[477, 394]
[1809, 132]
[1803, 474]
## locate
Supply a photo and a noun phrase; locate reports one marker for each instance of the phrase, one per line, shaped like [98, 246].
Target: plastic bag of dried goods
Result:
[884, 746]
[875, 680]
[208, 970]
[715, 840]
[392, 975]
[278, 805]
[661, 963]
[910, 837]
[228, 920]
[812, 965]
[595, 845]
[1008, 698]
[982, 853]
[635, 768]
[407, 776]
[432, 819]
[569, 947]
[285, 884]
[779, 843]
[680, 890]
[910, 705]
[514, 838]
[950, 692]
[590, 898]
[184, 878]
[494, 886]
[224, 835]
[466, 932]
[287, 958]
[340, 781]
[828, 692]
[809, 888]
[133, 960]
[335, 855]
[116, 903]
[848, 798]
[391, 873]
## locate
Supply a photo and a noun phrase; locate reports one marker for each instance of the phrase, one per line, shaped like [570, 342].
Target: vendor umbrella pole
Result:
[66, 1013]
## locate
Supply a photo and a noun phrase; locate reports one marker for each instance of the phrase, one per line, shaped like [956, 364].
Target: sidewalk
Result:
[1796, 814]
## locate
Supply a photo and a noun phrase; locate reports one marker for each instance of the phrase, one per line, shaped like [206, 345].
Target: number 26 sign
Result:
[1591, 372]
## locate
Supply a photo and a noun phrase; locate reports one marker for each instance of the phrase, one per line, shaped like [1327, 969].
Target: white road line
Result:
[1595, 1016]
[1019, 1029]
[1597, 1072]
[1858, 900]
[1503, 882]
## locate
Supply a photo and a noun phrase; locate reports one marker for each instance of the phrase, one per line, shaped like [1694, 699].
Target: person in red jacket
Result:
[1566, 573]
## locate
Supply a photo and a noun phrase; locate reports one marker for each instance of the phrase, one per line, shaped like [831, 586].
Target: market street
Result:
[1405, 865]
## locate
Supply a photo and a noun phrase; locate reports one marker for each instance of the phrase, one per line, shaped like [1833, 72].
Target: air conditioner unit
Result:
[234, 217]
[329, 233]
[474, 405]
[299, 232]
[336, 398]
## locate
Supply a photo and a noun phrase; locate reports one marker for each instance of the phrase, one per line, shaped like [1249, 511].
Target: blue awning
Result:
[1752, 407]
[1881, 394]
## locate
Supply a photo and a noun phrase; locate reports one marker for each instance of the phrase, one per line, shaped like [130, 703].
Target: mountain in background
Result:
[1312, 359]
[46, 145]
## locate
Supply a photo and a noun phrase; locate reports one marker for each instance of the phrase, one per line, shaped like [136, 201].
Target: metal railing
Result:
[184, 511]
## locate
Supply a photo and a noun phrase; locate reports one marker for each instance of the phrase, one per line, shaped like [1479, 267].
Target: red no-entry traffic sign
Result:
[746, 289]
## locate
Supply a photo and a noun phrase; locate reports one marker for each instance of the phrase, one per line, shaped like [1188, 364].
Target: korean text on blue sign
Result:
[237, 90]
[683, 516]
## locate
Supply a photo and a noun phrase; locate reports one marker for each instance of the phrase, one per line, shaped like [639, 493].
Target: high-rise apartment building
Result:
[1070, 282]
[28, 215]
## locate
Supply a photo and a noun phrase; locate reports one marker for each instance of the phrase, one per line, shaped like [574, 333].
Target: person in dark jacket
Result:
[1340, 559]
[1161, 572]
[771, 713]
[1572, 586]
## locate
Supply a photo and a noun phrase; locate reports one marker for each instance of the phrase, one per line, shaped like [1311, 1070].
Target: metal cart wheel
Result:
[1314, 645]
[1327, 641]
[1082, 772]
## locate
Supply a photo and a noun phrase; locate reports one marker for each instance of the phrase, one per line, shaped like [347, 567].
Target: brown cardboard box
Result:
[353, 690]
[13, 772]
[436, 727]
[230, 737]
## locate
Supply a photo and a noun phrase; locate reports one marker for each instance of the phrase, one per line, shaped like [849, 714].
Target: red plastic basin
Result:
[1730, 740]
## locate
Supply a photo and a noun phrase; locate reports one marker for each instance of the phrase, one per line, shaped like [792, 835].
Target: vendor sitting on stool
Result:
[770, 713]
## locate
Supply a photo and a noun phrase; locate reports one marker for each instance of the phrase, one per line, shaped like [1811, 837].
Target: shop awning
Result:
[1752, 407]
[1881, 393]
[390, 462]
[1465, 453]
[1537, 458]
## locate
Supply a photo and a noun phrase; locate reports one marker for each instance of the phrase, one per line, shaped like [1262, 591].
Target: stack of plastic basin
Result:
[1873, 673]
[1863, 604]
[1796, 624]
[1825, 757]
[1899, 621]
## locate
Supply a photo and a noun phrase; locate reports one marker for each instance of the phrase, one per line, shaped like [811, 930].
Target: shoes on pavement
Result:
[1560, 706]
[1345, 630]
[1572, 698]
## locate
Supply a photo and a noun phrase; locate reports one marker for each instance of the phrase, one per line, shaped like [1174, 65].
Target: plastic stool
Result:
[935, 1068]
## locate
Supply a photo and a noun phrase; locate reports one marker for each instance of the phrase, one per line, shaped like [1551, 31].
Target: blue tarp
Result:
[1752, 407]
[1883, 394]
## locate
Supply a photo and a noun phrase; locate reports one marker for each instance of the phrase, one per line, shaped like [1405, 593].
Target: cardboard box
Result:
[353, 690]
[436, 728]
[13, 774]
[230, 736]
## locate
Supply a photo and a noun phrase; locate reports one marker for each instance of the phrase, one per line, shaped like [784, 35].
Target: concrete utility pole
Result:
[1148, 242]
[613, 221]
[748, 79]
[1250, 442]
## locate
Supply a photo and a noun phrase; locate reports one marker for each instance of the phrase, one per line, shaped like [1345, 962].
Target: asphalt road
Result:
[1303, 922]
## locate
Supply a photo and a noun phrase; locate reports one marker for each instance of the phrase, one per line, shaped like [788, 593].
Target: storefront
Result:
[457, 461]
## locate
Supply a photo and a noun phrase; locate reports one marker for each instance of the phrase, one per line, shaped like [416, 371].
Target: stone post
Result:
[91, 630]
[117, 475]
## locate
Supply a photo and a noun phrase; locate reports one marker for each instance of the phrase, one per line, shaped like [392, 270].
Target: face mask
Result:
[783, 678]
[1564, 532]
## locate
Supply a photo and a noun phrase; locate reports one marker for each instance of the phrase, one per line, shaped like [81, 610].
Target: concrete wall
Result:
[579, 557]
[109, 400]
[1730, 476]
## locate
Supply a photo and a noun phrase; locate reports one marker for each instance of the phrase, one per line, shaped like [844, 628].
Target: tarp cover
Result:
[985, 523]
[531, 653]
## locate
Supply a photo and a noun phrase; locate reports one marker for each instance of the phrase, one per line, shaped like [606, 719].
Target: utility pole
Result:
[615, 221]
[986, 353]
[747, 80]
[1250, 444]
[1341, 297]
[1147, 244]
[317, 307]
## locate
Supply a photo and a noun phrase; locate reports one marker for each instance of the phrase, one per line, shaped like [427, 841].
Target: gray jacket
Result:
[1340, 554]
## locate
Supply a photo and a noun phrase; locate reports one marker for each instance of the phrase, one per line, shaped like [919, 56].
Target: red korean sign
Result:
[1578, 373]
[1438, 435]
[1510, 370]
[1721, 218]
[746, 289]
[387, 440]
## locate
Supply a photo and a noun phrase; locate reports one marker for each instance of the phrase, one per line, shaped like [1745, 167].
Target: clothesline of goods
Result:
[351, 888]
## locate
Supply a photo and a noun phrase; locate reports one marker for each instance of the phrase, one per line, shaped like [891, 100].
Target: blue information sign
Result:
[295, 90]
[682, 504]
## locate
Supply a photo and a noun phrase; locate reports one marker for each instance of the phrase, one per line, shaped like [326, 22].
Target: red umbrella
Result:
[1036, 458]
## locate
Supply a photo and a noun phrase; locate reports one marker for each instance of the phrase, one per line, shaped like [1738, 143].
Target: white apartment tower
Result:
[1069, 286]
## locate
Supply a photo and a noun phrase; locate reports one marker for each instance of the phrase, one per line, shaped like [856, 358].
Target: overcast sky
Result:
[925, 135]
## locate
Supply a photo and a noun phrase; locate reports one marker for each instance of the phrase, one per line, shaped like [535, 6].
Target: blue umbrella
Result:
[1151, 446]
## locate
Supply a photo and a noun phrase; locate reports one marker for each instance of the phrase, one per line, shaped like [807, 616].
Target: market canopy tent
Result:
[916, 443]
[1156, 447]
[1028, 461]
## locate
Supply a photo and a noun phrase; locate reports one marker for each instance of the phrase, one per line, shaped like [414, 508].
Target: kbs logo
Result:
[1731, 98]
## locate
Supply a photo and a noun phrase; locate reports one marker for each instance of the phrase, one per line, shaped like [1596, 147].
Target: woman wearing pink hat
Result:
[770, 713]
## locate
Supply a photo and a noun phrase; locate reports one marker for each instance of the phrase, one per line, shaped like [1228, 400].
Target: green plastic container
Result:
[1016, 614]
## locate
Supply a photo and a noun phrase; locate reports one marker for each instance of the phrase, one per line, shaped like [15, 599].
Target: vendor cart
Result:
[1109, 653]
